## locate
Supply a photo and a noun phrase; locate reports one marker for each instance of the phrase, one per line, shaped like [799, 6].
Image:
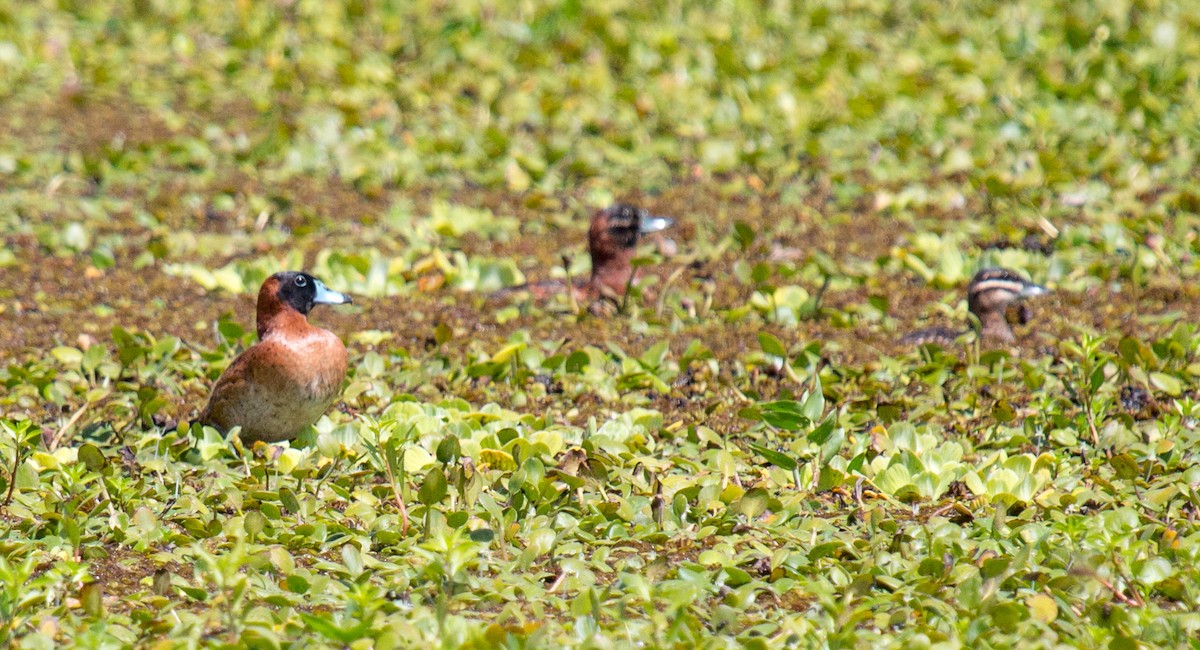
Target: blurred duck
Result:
[613, 237]
[989, 295]
[287, 380]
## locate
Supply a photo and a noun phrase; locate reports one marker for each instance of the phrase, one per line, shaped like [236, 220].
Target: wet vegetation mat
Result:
[743, 451]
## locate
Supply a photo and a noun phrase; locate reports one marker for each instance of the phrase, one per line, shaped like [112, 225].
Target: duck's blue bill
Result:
[652, 223]
[326, 296]
[1030, 290]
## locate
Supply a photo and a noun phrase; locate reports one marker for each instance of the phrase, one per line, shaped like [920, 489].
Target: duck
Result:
[613, 235]
[289, 378]
[989, 294]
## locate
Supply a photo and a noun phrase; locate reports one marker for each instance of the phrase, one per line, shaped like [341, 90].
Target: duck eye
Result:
[301, 281]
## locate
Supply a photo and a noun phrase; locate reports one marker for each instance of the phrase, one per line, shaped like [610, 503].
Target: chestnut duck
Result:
[287, 380]
[613, 236]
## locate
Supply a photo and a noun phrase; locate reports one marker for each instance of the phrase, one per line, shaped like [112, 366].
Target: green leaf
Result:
[1169, 384]
[128, 348]
[735, 577]
[1125, 466]
[442, 333]
[289, 500]
[772, 345]
[297, 584]
[352, 558]
[577, 362]
[743, 234]
[92, 599]
[161, 583]
[91, 456]
[1152, 571]
[830, 478]
[784, 414]
[433, 489]
[254, 523]
[1007, 615]
[753, 503]
[774, 457]
[823, 432]
[814, 404]
[333, 632]
[230, 331]
[195, 593]
[448, 449]
[67, 356]
[1043, 608]
[482, 535]
[27, 477]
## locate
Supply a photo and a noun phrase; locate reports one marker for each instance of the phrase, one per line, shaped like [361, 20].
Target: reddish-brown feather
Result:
[611, 273]
[283, 383]
[612, 267]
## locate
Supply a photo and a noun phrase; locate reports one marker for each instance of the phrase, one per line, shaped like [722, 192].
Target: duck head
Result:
[288, 294]
[612, 241]
[990, 293]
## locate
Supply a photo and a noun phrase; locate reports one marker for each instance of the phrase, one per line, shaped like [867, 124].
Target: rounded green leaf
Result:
[433, 489]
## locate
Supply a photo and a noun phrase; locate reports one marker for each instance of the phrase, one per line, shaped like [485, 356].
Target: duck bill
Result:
[327, 296]
[1032, 290]
[652, 223]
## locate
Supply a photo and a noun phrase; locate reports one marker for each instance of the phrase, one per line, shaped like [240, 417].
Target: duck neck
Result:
[612, 270]
[274, 316]
[994, 327]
